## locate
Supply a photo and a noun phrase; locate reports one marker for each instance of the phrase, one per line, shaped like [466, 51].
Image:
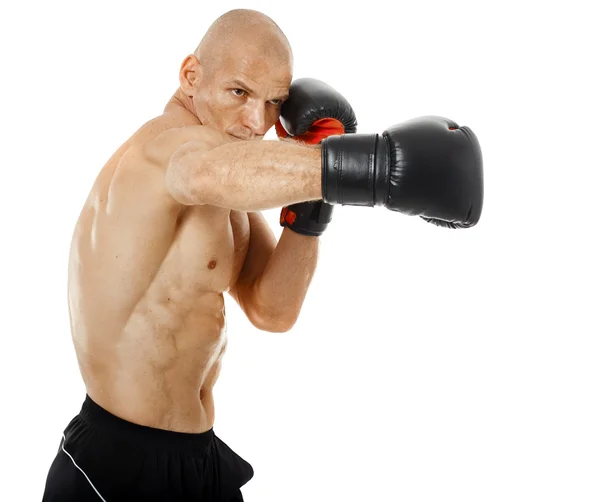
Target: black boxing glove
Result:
[427, 166]
[313, 112]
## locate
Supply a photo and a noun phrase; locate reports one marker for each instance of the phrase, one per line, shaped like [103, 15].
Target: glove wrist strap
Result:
[355, 169]
[307, 218]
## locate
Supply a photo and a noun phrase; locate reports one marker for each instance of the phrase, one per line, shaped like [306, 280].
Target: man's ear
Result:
[189, 73]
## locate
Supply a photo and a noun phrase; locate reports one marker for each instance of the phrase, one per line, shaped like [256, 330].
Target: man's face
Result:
[242, 96]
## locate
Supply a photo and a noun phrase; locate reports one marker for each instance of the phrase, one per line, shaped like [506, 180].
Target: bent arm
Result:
[276, 275]
[245, 175]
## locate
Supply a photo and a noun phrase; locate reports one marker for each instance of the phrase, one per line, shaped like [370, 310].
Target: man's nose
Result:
[255, 119]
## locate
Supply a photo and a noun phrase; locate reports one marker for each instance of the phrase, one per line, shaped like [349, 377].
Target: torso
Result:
[146, 284]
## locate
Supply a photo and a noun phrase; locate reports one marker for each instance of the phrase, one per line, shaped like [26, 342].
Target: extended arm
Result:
[245, 175]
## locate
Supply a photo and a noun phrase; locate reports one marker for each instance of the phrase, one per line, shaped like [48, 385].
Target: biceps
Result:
[261, 244]
[260, 248]
[187, 177]
[183, 177]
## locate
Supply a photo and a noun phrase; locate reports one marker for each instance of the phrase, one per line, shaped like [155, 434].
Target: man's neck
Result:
[181, 103]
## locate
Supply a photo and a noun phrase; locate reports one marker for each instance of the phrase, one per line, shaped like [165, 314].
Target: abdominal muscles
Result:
[160, 368]
[169, 359]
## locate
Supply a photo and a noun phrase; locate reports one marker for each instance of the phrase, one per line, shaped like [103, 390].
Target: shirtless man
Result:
[173, 221]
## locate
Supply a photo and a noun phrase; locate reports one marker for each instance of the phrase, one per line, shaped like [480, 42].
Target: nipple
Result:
[212, 264]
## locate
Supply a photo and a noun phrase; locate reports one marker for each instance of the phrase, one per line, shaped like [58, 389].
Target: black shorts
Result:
[102, 457]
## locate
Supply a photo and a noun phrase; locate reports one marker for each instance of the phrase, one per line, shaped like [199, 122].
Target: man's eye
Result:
[276, 102]
[239, 92]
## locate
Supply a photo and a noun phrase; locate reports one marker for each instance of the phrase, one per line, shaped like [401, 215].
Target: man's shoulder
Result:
[167, 136]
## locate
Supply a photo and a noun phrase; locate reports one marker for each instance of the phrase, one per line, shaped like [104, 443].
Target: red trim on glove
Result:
[279, 129]
[287, 216]
[318, 131]
[321, 129]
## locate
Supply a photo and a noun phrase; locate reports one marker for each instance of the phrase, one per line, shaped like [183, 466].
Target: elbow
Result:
[280, 327]
[273, 323]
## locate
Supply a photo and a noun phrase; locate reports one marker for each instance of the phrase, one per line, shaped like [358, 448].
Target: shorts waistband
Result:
[142, 435]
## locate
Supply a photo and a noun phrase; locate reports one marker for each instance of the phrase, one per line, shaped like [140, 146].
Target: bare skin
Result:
[172, 223]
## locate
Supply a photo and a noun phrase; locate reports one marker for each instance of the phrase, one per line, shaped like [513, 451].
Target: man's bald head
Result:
[240, 74]
[243, 33]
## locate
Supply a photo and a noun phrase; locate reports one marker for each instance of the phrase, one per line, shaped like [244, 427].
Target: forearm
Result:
[252, 175]
[281, 288]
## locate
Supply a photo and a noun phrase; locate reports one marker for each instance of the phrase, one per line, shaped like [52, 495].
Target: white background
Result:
[427, 364]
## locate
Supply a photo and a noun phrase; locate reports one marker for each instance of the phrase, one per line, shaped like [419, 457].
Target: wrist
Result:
[355, 169]
[307, 218]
